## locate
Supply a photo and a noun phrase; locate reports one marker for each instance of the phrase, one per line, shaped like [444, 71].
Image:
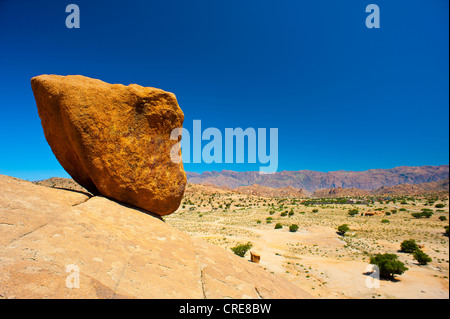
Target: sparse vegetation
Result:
[249, 218]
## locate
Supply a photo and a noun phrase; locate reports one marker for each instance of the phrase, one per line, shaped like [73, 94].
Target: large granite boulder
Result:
[113, 139]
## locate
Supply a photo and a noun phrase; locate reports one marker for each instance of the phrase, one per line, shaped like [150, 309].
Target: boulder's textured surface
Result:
[114, 139]
[120, 252]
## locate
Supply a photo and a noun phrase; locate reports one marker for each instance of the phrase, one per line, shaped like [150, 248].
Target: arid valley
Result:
[316, 257]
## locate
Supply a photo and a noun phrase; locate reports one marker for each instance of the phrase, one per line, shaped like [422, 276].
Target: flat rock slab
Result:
[120, 252]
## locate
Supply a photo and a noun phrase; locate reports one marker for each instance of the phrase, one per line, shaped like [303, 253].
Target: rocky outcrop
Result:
[113, 139]
[48, 234]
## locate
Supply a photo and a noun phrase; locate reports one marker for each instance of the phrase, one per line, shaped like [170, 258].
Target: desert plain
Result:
[316, 257]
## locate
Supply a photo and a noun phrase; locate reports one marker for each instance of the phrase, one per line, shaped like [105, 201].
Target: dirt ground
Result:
[316, 257]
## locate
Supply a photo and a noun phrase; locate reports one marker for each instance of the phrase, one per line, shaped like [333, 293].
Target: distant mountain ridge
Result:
[312, 181]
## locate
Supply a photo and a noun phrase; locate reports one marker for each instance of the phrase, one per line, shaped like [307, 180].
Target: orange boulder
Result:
[114, 139]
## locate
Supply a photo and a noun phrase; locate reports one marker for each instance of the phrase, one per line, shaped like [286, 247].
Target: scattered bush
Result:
[426, 214]
[421, 257]
[385, 221]
[442, 218]
[389, 265]
[343, 229]
[293, 228]
[278, 226]
[315, 210]
[409, 246]
[241, 249]
[353, 212]
[439, 205]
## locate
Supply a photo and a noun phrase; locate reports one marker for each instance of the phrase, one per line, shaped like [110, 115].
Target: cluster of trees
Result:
[410, 246]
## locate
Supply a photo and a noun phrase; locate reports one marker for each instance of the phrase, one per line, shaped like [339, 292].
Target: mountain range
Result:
[311, 181]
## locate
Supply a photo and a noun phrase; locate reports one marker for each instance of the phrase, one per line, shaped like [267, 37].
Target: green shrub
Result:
[269, 220]
[315, 210]
[343, 229]
[353, 212]
[278, 226]
[439, 205]
[426, 214]
[409, 246]
[442, 218]
[446, 231]
[293, 228]
[389, 265]
[385, 221]
[421, 257]
[416, 215]
[241, 249]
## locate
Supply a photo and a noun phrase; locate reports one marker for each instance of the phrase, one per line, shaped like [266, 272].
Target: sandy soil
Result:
[316, 257]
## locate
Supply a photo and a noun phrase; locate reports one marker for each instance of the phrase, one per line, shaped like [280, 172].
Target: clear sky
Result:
[342, 96]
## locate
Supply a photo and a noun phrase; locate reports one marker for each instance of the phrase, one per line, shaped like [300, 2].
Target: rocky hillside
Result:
[340, 192]
[404, 189]
[265, 191]
[312, 180]
[120, 252]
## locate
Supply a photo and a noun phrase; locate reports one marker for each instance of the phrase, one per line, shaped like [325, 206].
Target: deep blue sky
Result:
[343, 96]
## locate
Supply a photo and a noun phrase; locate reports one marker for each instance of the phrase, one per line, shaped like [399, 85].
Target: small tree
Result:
[293, 228]
[241, 249]
[421, 257]
[343, 229]
[389, 265]
[409, 246]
